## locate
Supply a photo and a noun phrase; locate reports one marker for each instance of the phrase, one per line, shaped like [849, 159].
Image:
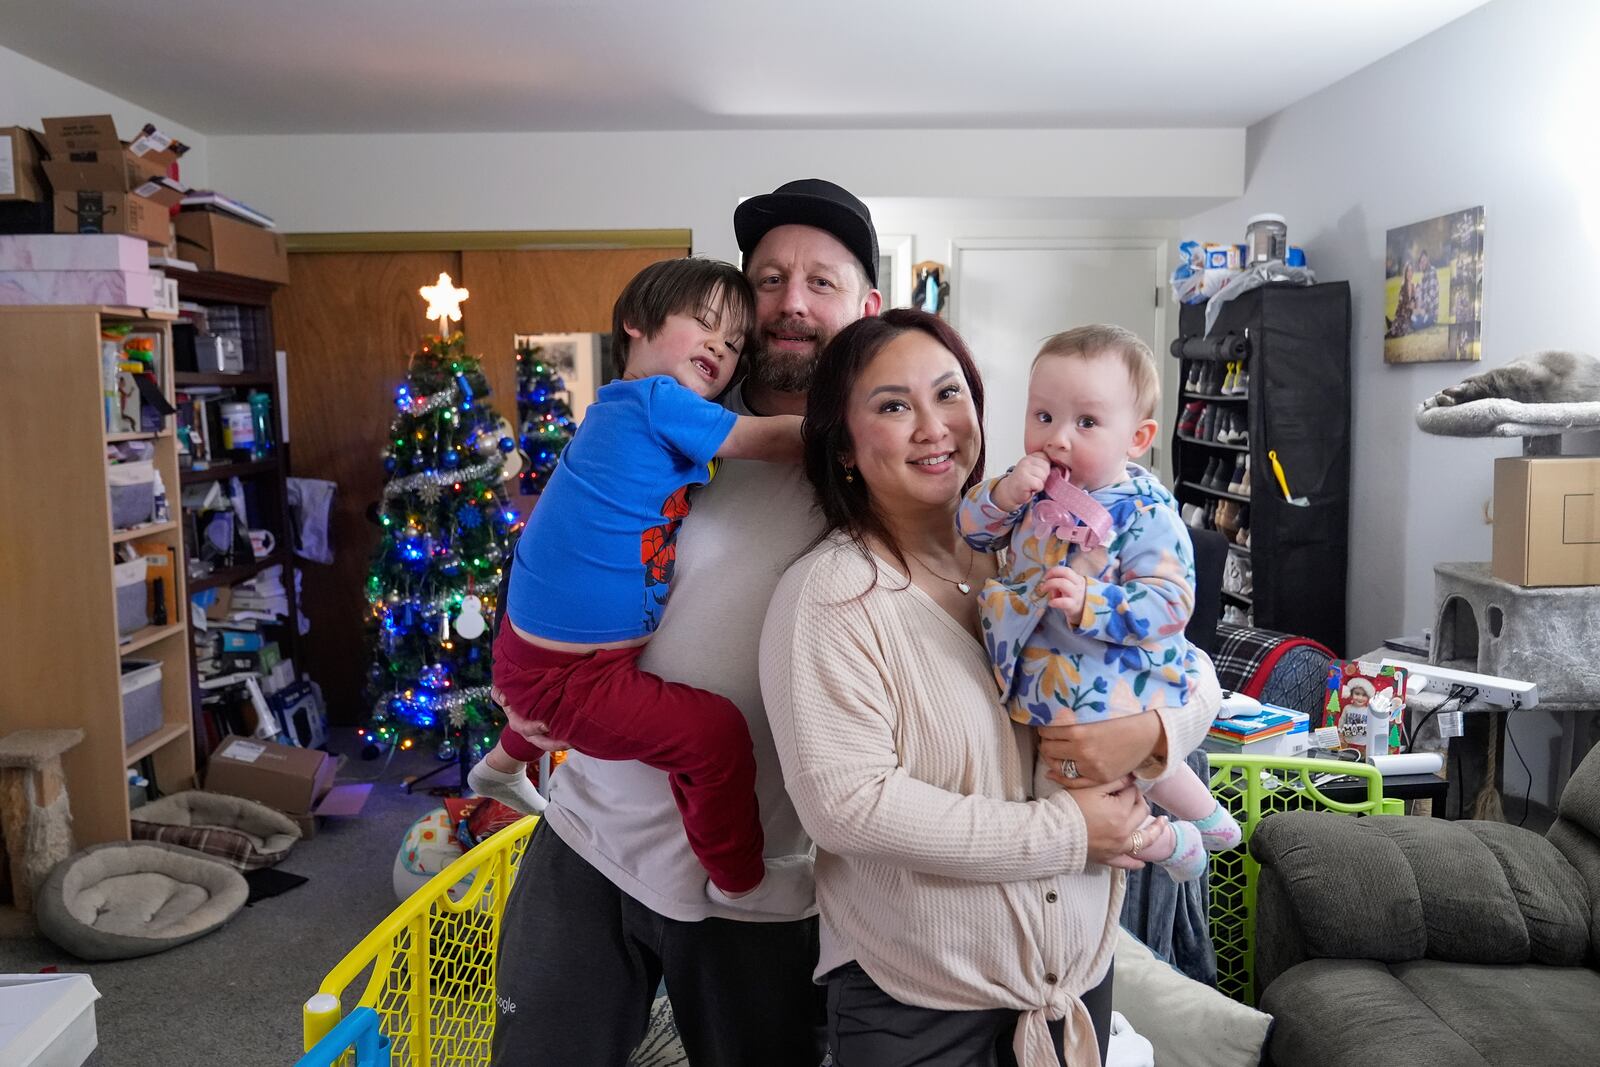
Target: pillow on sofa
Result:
[1190, 1024]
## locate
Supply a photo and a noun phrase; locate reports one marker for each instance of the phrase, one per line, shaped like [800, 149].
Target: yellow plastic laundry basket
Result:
[430, 964]
[1252, 788]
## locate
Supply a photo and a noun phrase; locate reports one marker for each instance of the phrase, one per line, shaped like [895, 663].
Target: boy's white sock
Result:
[789, 889]
[511, 788]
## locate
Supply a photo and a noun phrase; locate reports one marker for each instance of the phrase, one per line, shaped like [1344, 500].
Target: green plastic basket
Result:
[1252, 788]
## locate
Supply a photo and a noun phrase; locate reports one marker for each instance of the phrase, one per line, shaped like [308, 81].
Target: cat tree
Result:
[1546, 635]
[34, 818]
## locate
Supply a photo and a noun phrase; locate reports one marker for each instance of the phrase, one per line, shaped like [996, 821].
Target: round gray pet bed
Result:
[132, 898]
[236, 830]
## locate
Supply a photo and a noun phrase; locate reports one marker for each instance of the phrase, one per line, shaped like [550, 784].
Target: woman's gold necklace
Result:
[964, 585]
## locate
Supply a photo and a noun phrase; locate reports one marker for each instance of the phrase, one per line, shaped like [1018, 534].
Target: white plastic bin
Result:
[133, 493]
[47, 1020]
[141, 699]
[132, 596]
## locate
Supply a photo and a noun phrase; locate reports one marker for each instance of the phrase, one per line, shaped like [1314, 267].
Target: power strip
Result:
[1501, 692]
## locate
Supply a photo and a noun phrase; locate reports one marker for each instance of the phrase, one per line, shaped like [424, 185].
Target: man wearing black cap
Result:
[609, 899]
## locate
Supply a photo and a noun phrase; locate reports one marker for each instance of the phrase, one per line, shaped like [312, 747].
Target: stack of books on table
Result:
[1275, 732]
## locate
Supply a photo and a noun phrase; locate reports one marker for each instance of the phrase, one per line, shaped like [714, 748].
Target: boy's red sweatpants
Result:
[604, 706]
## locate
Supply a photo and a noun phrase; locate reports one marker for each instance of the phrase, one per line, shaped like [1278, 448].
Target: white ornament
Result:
[470, 624]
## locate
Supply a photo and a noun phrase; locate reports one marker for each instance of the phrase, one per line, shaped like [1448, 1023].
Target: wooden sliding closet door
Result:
[348, 321]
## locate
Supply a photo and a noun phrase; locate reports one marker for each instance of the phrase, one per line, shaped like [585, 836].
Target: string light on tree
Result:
[445, 529]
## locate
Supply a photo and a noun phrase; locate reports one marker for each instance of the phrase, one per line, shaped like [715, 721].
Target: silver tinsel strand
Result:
[411, 482]
[454, 704]
[444, 398]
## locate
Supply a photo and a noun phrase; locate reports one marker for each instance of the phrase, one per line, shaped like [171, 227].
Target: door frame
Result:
[1160, 304]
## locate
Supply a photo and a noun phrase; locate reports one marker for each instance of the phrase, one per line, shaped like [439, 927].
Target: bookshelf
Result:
[63, 654]
[265, 480]
[1297, 404]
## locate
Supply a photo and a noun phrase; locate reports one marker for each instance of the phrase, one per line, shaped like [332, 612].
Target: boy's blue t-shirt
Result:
[595, 562]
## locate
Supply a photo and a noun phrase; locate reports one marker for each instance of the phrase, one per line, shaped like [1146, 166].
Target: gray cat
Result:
[1542, 378]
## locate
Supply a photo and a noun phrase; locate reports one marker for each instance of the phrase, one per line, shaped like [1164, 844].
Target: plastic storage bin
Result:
[133, 493]
[132, 596]
[141, 699]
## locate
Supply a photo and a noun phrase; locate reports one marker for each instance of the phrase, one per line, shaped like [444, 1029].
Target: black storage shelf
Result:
[1298, 404]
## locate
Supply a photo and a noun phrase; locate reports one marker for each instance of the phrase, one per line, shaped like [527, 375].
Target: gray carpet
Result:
[234, 996]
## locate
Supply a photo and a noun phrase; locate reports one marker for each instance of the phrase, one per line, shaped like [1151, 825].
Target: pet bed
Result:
[1498, 417]
[237, 830]
[132, 898]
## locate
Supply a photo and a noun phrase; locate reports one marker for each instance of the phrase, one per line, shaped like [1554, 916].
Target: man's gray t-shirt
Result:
[742, 532]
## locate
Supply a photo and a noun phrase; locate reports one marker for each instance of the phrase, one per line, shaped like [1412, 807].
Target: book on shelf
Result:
[208, 200]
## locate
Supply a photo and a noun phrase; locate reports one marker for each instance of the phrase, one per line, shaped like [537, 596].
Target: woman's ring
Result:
[1137, 844]
[1069, 769]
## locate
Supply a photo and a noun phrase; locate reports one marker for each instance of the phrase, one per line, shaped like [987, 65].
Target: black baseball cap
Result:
[810, 202]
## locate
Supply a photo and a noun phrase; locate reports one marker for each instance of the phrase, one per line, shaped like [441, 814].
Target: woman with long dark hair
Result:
[962, 922]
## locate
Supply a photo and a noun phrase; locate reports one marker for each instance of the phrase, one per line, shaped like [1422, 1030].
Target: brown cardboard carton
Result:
[215, 242]
[1547, 520]
[296, 781]
[21, 176]
[85, 153]
[90, 211]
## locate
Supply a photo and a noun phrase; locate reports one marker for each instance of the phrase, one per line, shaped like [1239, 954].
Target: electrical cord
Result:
[1527, 796]
[1463, 695]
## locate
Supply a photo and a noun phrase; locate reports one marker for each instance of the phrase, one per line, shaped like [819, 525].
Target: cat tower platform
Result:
[1539, 425]
[1547, 635]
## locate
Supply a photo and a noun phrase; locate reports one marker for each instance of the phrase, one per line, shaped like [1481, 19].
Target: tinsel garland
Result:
[401, 486]
[455, 703]
[446, 397]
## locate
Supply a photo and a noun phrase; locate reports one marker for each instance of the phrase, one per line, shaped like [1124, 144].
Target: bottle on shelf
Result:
[261, 425]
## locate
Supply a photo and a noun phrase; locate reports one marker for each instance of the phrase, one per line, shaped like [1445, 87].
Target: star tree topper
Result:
[444, 302]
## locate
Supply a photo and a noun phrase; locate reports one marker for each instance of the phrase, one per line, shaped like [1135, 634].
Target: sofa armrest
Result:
[1396, 888]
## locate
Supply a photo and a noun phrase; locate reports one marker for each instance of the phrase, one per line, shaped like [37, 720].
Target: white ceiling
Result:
[304, 66]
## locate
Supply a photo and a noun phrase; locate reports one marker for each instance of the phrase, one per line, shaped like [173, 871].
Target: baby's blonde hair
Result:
[1087, 342]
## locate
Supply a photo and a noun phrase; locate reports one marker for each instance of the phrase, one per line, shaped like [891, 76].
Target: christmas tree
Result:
[545, 422]
[447, 529]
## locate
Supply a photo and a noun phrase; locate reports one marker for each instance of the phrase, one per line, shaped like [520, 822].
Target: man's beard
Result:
[786, 372]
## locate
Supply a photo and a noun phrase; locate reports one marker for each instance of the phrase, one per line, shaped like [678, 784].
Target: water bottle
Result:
[261, 423]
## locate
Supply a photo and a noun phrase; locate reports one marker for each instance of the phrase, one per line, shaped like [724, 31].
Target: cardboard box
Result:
[295, 781]
[74, 251]
[1547, 520]
[215, 242]
[21, 176]
[85, 155]
[85, 211]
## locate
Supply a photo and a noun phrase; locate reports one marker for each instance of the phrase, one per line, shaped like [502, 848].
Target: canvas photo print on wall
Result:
[1433, 288]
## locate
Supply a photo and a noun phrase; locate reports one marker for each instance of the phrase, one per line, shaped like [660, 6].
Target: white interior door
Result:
[1006, 296]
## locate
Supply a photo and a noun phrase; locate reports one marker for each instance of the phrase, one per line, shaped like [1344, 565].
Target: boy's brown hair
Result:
[688, 286]
[1086, 342]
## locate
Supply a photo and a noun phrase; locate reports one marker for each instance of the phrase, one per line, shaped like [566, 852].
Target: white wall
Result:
[398, 182]
[1494, 109]
[31, 91]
